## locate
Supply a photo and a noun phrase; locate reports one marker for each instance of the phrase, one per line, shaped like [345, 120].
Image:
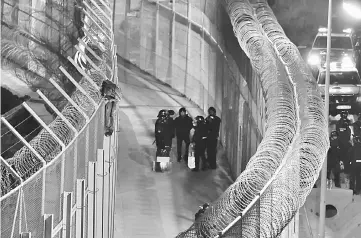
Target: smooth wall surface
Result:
[191, 47]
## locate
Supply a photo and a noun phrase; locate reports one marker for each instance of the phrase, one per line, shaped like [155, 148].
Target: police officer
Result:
[355, 160]
[333, 159]
[357, 126]
[200, 142]
[344, 136]
[163, 132]
[213, 124]
[183, 125]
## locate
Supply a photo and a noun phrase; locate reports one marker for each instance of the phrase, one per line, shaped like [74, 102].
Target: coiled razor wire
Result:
[298, 169]
[24, 161]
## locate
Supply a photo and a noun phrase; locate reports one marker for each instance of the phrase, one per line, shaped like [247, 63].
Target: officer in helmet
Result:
[200, 142]
[334, 159]
[344, 134]
[357, 126]
[355, 168]
[163, 131]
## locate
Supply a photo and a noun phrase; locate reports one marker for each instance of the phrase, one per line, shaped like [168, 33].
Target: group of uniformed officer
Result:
[205, 137]
[344, 155]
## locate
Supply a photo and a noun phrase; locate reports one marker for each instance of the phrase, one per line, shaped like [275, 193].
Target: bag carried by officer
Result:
[191, 158]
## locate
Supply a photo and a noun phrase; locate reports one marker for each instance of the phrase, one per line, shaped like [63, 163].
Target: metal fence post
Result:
[91, 199]
[156, 40]
[189, 48]
[80, 195]
[99, 185]
[48, 225]
[25, 235]
[106, 183]
[67, 218]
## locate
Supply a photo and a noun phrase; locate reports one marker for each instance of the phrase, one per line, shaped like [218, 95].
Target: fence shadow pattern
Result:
[61, 183]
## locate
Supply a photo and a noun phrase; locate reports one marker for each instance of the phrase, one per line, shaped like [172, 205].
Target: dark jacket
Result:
[357, 128]
[164, 129]
[200, 132]
[183, 125]
[213, 124]
[344, 131]
[333, 157]
[355, 154]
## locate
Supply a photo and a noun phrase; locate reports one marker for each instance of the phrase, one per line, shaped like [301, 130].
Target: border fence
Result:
[71, 193]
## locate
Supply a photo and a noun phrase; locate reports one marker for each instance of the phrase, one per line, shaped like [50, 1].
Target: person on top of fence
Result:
[355, 165]
[112, 94]
[199, 140]
[183, 125]
[213, 124]
[164, 132]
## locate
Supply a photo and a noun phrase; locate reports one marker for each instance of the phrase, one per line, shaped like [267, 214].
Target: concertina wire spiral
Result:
[24, 161]
[295, 143]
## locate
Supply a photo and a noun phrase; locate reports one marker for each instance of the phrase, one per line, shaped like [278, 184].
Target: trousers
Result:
[212, 152]
[199, 153]
[179, 147]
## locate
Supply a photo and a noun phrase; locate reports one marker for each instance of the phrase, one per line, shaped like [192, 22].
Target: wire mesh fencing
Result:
[60, 182]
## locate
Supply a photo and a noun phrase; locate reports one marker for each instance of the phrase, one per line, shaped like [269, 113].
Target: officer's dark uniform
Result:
[163, 131]
[344, 136]
[357, 126]
[183, 125]
[213, 124]
[355, 171]
[199, 139]
[333, 159]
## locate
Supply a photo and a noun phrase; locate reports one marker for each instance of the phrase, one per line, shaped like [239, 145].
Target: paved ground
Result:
[150, 204]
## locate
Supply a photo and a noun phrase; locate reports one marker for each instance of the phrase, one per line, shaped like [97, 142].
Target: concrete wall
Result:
[191, 46]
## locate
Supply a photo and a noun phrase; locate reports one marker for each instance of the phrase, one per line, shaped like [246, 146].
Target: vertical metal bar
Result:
[327, 102]
[57, 112]
[16, 213]
[80, 88]
[173, 41]
[143, 40]
[23, 140]
[67, 217]
[156, 40]
[69, 99]
[106, 190]
[91, 199]
[25, 235]
[99, 194]
[188, 47]
[43, 124]
[80, 208]
[48, 225]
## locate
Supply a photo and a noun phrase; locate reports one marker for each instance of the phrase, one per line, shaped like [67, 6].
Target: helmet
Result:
[334, 134]
[344, 114]
[199, 119]
[162, 113]
[171, 112]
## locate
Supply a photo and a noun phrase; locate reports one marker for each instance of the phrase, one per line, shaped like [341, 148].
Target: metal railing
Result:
[72, 194]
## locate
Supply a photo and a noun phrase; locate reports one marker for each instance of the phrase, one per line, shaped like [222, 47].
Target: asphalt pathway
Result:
[150, 204]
